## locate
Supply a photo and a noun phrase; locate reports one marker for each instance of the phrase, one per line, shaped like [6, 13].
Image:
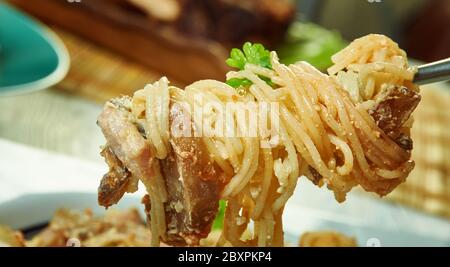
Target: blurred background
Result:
[118, 46]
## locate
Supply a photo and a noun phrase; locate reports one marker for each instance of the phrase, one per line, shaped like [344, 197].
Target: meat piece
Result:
[404, 141]
[125, 140]
[193, 186]
[230, 22]
[115, 183]
[192, 179]
[315, 177]
[380, 187]
[394, 108]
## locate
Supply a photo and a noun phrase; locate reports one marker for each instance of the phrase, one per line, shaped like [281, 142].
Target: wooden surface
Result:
[99, 74]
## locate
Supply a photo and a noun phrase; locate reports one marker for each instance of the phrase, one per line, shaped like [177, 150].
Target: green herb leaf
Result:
[251, 53]
[237, 82]
[237, 59]
[218, 221]
[267, 80]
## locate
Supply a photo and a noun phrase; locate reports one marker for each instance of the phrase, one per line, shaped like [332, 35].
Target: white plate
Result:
[35, 209]
[35, 183]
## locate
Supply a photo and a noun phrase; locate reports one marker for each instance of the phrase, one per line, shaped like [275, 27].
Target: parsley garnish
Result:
[251, 53]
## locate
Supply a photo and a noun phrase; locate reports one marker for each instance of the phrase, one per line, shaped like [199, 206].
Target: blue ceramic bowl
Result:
[31, 56]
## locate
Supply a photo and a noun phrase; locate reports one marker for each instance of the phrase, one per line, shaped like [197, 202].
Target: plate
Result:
[35, 210]
[30, 196]
[32, 57]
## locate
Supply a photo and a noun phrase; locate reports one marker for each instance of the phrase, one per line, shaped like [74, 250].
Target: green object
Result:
[218, 222]
[251, 53]
[31, 56]
[312, 43]
[255, 54]
[237, 82]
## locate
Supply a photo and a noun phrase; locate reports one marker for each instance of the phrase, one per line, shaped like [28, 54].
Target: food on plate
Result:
[82, 228]
[10, 238]
[246, 141]
[125, 228]
[326, 239]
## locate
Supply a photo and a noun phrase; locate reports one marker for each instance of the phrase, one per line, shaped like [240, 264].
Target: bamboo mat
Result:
[98, 74]
[428, 186]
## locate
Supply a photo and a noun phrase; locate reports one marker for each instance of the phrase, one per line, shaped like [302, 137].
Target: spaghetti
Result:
[325, 131]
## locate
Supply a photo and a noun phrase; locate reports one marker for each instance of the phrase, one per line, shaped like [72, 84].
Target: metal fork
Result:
[438, 71]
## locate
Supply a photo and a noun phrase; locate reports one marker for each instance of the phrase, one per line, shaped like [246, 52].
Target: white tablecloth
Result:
[29, 170]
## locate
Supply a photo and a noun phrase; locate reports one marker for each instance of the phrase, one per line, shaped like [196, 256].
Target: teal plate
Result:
[31, 56]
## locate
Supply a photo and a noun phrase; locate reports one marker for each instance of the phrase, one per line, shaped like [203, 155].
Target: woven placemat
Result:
[428, 186]
[99, 75]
